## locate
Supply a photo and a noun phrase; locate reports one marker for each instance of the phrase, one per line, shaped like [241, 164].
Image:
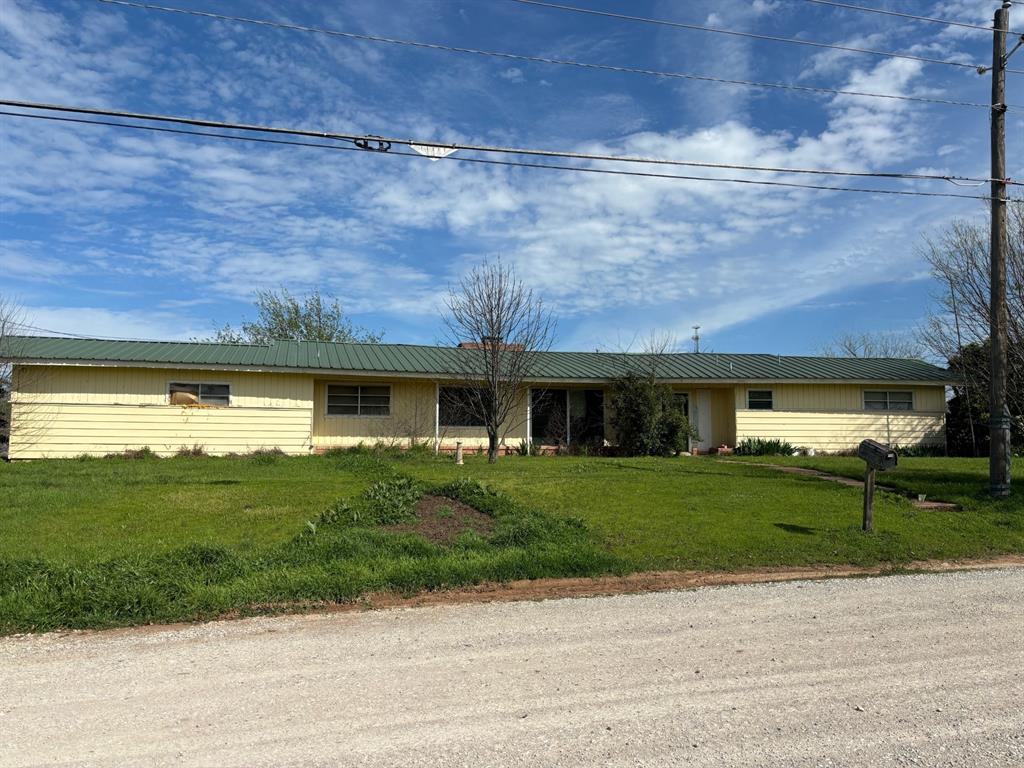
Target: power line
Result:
[361, 140]
[509, 163]
[547, 60]
[751, 35]
[29, 327]
[912, 16]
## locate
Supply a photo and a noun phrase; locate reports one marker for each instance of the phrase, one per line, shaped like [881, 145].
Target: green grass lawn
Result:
[83, 510]
[958, 480]
[109, 542]
[708, 514]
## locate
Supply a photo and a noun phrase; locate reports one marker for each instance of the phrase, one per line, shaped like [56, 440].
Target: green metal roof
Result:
[409, 359]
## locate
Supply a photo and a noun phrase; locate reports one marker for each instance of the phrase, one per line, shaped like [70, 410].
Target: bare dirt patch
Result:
[441, 520]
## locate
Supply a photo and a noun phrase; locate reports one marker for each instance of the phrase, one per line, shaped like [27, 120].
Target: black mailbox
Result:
[877, 455]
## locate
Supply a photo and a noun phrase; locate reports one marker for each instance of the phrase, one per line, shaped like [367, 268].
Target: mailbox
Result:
[877, 455]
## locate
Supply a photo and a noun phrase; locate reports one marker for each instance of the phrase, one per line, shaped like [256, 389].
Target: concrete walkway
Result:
[849, 482]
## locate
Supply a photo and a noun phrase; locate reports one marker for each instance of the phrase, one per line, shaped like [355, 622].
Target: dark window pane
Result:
[215, 390]
[759, 399]
[374, 410]
[343, 400]
[876, 401]
[342, 389]
[342, 410]
[377, 391]
[460, 407]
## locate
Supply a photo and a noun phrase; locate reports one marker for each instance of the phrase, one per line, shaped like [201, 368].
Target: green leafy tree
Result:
[647, 418]
[284, 317]
[967, 432]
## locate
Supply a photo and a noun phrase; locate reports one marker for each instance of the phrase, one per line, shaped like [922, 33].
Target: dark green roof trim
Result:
[408, 360]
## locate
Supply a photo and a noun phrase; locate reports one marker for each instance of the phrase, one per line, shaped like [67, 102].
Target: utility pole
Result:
[999, 414]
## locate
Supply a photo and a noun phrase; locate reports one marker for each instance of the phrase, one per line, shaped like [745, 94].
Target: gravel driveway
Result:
[902, 670]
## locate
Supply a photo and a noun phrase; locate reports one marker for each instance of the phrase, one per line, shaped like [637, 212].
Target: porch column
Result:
[529, 416]
[568, 420]
[437, 418]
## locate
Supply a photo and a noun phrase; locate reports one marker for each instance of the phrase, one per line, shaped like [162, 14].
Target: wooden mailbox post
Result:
[878, 457]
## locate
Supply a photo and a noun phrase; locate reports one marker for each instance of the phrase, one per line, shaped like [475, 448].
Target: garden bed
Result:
[441, 520]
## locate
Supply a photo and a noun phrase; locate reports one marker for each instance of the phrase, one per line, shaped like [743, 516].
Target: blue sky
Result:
[119, 233]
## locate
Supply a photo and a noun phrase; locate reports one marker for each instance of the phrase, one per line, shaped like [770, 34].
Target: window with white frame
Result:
[759, 399]
[358, 400]
[880, 400]
[199, 393]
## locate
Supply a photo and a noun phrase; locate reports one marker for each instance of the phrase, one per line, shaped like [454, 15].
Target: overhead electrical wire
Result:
[903, 15]
[482, 161]
[751, 35]
[30, 327]
[549, 60]
[389, 140]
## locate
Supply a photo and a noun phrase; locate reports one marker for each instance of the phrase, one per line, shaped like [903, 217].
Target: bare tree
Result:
[894, 345]
[12, 324]
[502, 329]
[957, 329]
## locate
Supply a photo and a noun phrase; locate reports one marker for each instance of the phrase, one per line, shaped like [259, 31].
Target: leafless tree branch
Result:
[504, 330]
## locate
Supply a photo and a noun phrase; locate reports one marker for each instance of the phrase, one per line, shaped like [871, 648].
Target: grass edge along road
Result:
[555, 517]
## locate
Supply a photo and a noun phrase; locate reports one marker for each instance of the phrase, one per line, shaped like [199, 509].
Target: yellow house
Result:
[90, 396]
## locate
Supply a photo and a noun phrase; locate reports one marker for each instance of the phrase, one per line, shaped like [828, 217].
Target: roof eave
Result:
[333, 372]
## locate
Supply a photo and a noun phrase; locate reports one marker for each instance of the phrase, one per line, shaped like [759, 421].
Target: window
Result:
[759, 399]
[888, 401]
[358, 400]
[181, 393]
[460, 407]
[681, 402]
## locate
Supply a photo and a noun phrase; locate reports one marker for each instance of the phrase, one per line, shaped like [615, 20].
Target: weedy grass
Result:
[707, 514]
[111, 542]
[336, 556]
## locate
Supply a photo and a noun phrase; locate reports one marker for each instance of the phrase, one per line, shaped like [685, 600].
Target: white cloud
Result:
[512, 75]
[103, 322]
[387, 233]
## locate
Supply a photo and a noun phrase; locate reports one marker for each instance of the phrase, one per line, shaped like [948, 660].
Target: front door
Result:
[700, 420]
[548, 425]
[586, 411]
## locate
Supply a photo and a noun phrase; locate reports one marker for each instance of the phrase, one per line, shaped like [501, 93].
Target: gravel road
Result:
[896, 671]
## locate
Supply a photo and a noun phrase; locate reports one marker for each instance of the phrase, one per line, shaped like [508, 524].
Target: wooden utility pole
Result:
[999, 414]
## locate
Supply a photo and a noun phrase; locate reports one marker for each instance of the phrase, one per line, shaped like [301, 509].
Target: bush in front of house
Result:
[759, 446]
[646, 418]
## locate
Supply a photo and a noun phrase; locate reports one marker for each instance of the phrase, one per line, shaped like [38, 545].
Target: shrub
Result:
[759, 446]
[646, 418]
[195, 450]
[920, 450]
[392, 501]
[145, 452]
[266, 455]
